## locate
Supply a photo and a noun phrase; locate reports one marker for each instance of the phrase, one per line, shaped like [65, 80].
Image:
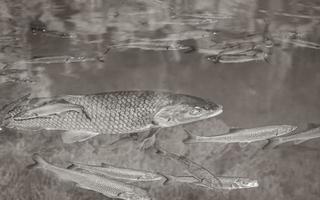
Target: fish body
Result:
[241, 57]
[152, 45]
[203, 175]
[108, 187]
[57, 60]
[119, 173]
[312, 133]
[244, 135]
[119, 112]
[227, 183]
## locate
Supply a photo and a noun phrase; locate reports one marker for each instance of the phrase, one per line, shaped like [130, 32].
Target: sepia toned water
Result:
[75, 38]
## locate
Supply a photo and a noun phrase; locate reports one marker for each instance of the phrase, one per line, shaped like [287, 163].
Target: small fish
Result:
[243, 57]
[206, 16]
[58, 60]
[49, 110]
[312, 132]
[184, 22]
[108, 187]
[119, 173]
[228, 183]
[238, 135]
[203, 175]
[154, 46]
[174, 37]
[118, 112]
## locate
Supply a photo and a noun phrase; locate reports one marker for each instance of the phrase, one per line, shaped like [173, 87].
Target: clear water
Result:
[284, 90]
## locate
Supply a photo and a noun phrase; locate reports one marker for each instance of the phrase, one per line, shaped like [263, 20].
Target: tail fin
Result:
[190, 138]
[38, 161]
[272, 143]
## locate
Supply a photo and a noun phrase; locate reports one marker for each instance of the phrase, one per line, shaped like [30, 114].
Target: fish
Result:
[239, 135]
[108, 187]
[116, 112]
[206, 16]
[203, 175]
[154, 46]
[58, 60]
[312, 132]
[242, 57]
[228, 182]
[48, 110]
[119, 173]
[183, 22]
[187, 35]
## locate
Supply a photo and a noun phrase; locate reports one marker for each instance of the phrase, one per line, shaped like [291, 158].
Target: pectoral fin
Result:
[77, 136]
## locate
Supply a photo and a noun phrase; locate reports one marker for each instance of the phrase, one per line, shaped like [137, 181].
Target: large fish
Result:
[119, 173]
[312, 132]
[227, 182]
[108, 187]
[119, 112]
[243, 135]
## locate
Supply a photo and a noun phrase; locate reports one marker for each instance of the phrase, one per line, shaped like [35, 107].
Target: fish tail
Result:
[38, 161]
[168, 179]
[272, 143]
[190, 138]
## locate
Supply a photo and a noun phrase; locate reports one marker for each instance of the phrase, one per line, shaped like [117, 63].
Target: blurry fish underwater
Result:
[227, 183]
[119, 112]
[119, 173]
[312, 132]
[108, 187]
[243, 135]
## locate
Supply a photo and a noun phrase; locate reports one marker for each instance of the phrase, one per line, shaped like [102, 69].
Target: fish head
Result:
[285, 129]
[185, 109]
[246, 183]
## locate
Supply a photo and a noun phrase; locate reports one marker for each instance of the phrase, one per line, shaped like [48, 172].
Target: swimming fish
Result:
[237, 135]
[58, 60]
[242, 57]
[203, 175]
[312, 132]
[119, 173]
[108, 187]
[48, 110]
[118, 112]
[152, 45]
[228, 182]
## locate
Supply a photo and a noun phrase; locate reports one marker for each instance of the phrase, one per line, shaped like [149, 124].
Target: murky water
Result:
[50, 48]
